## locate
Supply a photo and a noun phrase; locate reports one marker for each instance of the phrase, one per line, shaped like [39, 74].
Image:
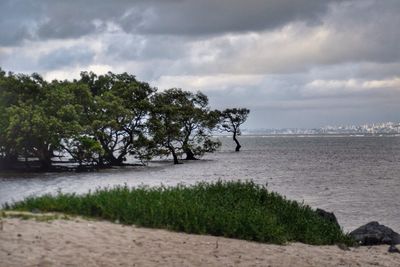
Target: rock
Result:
[328, 216]
[374, 233]
[393, 249]
[343, 247]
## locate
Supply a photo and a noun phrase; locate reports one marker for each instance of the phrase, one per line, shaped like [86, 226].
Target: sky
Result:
[294, 64]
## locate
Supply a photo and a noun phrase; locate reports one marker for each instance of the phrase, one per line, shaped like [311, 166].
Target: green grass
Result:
[241, 210]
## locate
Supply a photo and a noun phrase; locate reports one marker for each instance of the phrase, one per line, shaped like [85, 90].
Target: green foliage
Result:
[232, 209]
[231, 119]
[38, 115]
[100, 120]
[84, 150]
[181, 122]
[118, 114]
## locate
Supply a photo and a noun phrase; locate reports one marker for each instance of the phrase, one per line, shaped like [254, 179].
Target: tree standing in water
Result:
[231, 119]
[182, 123]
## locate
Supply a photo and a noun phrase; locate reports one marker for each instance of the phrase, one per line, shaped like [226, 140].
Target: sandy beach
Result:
[79, 242]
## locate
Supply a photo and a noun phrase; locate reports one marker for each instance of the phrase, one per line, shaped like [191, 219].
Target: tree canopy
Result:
[117, 114]
[181, 123]
[102, 120]
[231, 119]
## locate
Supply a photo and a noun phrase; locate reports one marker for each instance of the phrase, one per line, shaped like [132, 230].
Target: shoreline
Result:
[76, 242]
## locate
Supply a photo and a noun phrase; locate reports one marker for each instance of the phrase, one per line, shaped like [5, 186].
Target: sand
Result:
[79, 242]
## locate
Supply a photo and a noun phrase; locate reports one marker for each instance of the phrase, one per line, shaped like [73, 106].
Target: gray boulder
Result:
[374, 233]
[393, 249]
[329, 216]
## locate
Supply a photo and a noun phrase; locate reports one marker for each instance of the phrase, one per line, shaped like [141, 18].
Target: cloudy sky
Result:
[294, 63]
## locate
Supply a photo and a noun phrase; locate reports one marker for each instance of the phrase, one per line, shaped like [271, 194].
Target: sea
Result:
[356, 177]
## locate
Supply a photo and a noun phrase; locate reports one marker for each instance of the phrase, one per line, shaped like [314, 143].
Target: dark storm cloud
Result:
[192, 17]
[43, 19]
[70, 19]
[17, 20]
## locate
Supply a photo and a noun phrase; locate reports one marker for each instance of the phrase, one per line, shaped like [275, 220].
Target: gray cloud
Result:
[65, 57]
[364, 31]
[71, 19]
[193, 17]
[17, 21]
[138, 47]
[278, 102]
[297, 63]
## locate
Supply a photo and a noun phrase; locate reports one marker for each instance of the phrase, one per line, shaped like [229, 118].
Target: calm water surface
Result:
[358, 178]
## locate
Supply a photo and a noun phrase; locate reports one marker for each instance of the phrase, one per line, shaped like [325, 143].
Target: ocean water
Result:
[358, 178]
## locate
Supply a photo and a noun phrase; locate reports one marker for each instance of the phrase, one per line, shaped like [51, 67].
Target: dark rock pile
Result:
[369, 234]
[330, 216]
[374, 233]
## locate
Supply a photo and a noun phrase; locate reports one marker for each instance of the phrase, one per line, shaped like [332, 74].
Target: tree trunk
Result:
[115, 161]
[109, 157]
[190, 154]
[175, 157]
[121, 158]
[101, 161]
[238, 146]
[112, 160]
[45, 163]
[172, 150]
[45, 155]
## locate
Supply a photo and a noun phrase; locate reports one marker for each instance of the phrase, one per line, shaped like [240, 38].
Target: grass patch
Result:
[238, 209]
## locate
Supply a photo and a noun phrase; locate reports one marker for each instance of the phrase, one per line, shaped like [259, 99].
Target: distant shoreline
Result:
[310, 135]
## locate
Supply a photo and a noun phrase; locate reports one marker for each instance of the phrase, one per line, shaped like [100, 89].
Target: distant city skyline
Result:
[294, 64]
[371, 128]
